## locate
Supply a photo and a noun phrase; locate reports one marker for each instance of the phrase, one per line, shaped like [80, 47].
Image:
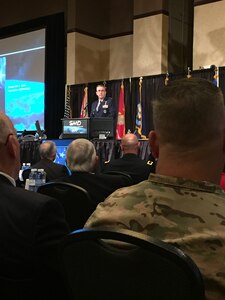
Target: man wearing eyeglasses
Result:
[31, 224]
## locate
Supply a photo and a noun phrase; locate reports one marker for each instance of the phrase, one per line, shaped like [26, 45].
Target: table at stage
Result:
[106, 150]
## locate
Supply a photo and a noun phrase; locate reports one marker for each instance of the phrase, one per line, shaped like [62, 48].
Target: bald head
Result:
[9, 148]
[6, 127]
[130, 144]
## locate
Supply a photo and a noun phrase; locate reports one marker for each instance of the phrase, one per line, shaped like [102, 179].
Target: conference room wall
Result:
[209, 35]
[209, 30]
[146, 49]
[121, 57]
[141, 7]
[150, 45]
[87, 58]
[14, 12]
[143, 53]
[90, 59]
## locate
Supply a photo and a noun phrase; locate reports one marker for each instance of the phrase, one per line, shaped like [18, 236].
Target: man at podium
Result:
[104, 106]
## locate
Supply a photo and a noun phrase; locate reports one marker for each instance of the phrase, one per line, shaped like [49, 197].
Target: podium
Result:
[89, 128]
[101, 128]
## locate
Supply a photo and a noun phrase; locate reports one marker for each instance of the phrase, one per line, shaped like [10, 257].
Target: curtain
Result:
[55, 74]
[222, 79]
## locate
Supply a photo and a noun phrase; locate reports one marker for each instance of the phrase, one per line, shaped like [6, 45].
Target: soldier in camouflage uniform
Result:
[182, 203]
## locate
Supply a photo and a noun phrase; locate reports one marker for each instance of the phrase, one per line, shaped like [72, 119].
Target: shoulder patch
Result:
[150, 162]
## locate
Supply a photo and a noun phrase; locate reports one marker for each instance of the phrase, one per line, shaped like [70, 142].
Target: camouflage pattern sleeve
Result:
[187, 214]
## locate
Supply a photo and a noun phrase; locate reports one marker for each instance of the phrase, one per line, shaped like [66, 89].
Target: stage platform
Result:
[106, 150]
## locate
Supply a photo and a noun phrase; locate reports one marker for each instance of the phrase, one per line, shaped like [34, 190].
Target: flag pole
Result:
[167, 78]
[67, 109]
[189, 73]
[217, 76]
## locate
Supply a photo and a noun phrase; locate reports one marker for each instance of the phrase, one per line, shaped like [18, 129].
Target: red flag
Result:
[84, 106]
[120, 128]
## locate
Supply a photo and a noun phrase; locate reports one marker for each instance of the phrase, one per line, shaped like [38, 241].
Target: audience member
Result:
[103, 107]
[222, 179]
[82, 161]
[130, 163]
[182, 203]
[53, 170]
[31, 224]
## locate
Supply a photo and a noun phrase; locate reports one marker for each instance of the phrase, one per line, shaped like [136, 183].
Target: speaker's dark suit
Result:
[99, 186]
[105, 109]
[31, 225]
[53, 170]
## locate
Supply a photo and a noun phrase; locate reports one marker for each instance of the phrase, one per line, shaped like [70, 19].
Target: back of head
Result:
[189, 113]
[47, 150]
[6, 127]
[81, 156]
[9, 147]
[130, 144]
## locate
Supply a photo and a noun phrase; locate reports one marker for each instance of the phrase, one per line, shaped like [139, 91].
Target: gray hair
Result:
[47, 149]
[81, 156]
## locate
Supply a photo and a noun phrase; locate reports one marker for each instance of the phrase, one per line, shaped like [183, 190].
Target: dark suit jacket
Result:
[137, 168]
[53, 170]
[103, 112]
[99, 186]
[31, 225]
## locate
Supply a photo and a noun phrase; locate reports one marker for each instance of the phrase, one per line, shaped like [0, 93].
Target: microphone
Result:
[24, 132]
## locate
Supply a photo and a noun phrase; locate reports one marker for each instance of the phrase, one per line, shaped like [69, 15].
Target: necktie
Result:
[99, 102]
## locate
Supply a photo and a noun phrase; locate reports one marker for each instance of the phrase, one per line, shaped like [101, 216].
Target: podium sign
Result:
[89, 128]
[73, 128]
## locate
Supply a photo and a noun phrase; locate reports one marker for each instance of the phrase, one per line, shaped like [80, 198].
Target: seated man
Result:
[53, 171]
[81, 159]
[31, 226]
[182, 203]
[130, 163]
